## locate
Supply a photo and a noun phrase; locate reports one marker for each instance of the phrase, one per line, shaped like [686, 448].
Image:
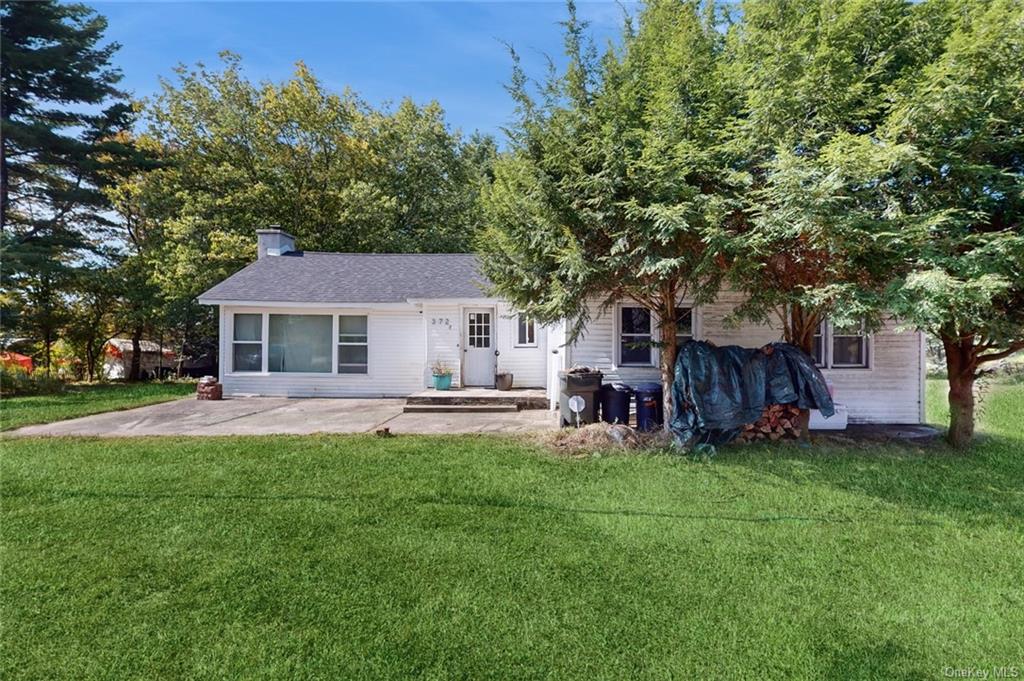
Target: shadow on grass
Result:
[471, 501]
[881, 661]
[985, 484]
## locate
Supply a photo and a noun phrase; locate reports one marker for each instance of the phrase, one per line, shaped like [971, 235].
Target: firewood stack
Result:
[778, 422]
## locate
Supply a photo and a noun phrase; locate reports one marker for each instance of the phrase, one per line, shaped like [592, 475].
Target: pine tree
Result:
[55, 74]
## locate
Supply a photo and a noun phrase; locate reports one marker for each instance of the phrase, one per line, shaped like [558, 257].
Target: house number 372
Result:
[441, 321]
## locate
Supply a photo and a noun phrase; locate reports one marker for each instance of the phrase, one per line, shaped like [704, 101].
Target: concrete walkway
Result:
[271, 415]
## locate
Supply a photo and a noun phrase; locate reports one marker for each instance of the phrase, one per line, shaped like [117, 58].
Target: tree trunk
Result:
[4, 182]
[669, 347]
[90, 361]
[136, 367]
[802, 326]
[184, 340]
[961, 371]
[47, 345]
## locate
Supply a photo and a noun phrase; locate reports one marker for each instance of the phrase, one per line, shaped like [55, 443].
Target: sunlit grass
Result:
[482, 557]
[83, 400]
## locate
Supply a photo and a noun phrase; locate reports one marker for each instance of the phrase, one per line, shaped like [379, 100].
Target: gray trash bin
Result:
[585, 384]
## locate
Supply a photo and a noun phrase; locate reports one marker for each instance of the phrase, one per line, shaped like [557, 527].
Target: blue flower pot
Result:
[442, 382]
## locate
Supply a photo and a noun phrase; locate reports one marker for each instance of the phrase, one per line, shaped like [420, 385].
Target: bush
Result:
[14, 380]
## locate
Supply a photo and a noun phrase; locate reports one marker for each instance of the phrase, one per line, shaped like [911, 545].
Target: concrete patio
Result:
[269, 416]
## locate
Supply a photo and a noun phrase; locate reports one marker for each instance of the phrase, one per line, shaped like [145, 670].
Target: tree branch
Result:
[992, 357]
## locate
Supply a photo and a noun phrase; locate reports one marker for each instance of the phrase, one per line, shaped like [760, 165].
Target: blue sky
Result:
[448, 51]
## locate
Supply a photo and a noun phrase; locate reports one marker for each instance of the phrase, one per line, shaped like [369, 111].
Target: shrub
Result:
[14, 380]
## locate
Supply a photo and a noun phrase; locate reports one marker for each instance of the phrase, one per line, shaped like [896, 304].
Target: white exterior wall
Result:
[444, 322]
[528, 364]
[889, 390]
[394, 355]
[443, 333]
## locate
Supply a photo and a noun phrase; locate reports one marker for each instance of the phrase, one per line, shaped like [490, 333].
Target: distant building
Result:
[156, 362]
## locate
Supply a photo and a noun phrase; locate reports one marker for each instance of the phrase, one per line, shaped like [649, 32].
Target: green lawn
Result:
[82, 400]
[480, 557]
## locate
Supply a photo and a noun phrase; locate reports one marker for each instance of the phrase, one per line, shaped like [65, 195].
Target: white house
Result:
[304, 324]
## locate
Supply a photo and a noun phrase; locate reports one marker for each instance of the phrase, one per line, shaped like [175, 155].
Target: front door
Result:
[478, 358]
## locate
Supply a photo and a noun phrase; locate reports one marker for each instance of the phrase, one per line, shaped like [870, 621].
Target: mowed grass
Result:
[83, 400]
[482, 557]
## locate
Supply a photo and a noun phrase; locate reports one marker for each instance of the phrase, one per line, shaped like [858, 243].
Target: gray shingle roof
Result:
[313, 277]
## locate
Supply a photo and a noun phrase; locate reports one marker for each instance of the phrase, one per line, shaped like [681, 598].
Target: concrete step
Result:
[459, 408]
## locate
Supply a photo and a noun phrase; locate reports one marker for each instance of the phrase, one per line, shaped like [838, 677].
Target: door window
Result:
[479, 329]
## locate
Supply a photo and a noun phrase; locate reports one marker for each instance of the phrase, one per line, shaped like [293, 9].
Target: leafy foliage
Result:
[964, 115]
[825, 230]
[618, 183]
[337, 174]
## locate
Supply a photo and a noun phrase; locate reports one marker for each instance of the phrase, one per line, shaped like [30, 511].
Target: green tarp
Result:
[718, 390]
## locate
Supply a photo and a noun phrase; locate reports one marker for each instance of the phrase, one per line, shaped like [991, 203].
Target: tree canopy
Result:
[336, 173]
[618, 183]
[964, 117]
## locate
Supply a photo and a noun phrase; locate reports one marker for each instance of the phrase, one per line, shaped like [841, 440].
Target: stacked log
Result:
[777, 422]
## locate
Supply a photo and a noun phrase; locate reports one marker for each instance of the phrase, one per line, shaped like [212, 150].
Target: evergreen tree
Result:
[54, 75]
[964, 116]
[618, 184]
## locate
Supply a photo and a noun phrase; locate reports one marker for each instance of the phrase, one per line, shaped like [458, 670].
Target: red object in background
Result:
[14, 359]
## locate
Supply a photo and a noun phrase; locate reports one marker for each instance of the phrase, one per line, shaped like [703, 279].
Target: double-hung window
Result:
[353, 355]
[526, 332]
[849, 346]
[635, 336]
[841, 347]
[247, 342]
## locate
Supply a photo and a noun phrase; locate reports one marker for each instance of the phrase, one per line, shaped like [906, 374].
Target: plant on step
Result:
[440, 368]
[617, 184]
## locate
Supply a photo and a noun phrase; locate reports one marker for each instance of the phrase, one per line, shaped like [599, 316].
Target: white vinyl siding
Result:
[443, 333]
[888, 390]
[443, 330]
[394, 365]
[528, 364]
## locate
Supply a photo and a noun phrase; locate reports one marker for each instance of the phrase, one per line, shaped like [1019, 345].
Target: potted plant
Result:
[442, 375]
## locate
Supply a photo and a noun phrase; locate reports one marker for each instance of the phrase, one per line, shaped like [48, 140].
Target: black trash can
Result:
[615, 403]
[582, 384]
[649, 400]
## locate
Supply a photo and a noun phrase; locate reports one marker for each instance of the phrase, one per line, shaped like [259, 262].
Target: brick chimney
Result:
[274, 241]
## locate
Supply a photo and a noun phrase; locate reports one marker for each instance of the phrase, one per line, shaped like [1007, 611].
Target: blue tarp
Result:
[718, 390]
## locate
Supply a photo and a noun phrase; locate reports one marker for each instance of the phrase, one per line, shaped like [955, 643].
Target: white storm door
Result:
[478, 359]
